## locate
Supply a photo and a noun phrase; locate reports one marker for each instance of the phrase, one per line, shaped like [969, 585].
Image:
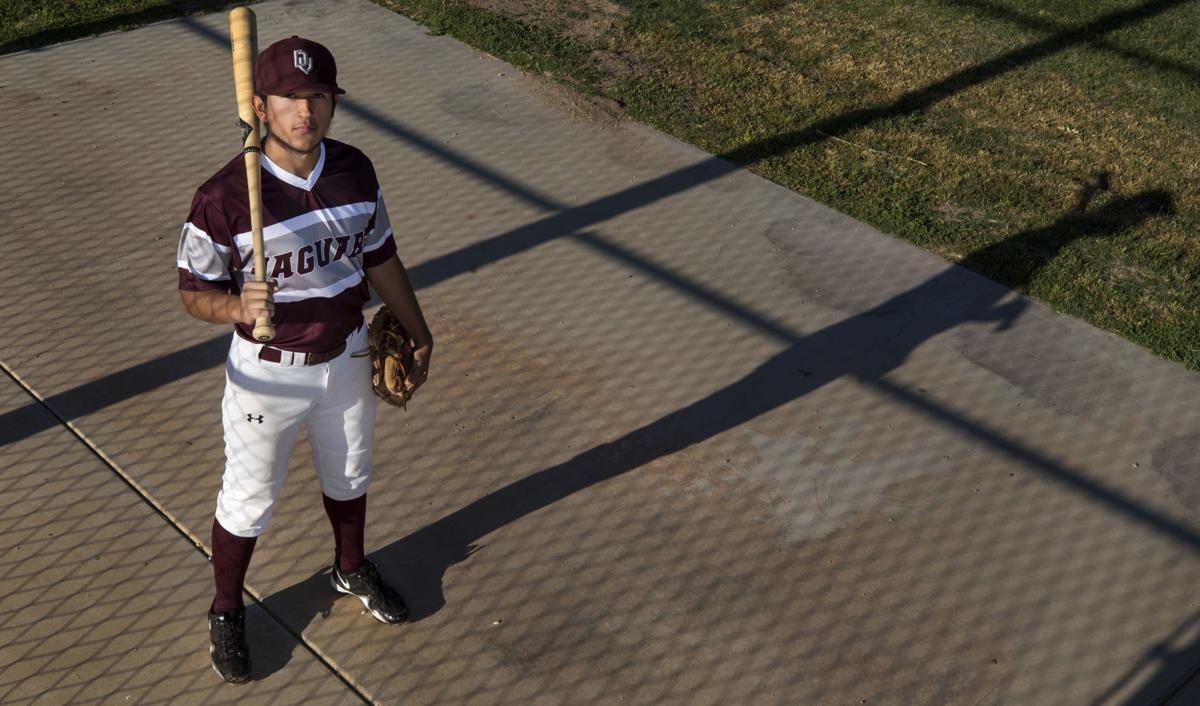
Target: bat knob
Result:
[263, 330]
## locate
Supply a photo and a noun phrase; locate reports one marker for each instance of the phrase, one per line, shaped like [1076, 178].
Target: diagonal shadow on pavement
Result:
[866, 346]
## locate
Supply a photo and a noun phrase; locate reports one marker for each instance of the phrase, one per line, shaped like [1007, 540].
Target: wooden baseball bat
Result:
[243, 36]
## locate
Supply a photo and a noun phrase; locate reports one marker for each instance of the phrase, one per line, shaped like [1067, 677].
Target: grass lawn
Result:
[954, 124]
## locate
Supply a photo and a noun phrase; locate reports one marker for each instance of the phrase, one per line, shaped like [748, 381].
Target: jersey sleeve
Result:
[378, 244]
[205, 248]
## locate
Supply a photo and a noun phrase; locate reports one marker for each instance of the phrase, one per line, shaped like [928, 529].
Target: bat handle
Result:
[263, 330]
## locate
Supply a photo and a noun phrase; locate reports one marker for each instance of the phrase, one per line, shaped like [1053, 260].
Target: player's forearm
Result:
[390, 281]
[213, 306]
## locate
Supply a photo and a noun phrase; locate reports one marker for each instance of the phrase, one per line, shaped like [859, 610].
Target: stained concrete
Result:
[690, 437]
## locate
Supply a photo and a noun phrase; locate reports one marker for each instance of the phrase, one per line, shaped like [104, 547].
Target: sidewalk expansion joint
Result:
[171, 520]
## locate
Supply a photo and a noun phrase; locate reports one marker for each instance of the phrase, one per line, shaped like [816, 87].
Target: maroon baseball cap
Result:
[295, 65]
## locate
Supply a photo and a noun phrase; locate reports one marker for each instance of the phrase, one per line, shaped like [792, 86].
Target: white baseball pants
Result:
[265, 405]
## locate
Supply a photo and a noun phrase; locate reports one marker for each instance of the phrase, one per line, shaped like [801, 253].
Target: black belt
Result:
[274, 355]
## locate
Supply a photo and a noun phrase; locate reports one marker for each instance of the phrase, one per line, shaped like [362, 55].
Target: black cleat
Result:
[229, 652]
[381, 599]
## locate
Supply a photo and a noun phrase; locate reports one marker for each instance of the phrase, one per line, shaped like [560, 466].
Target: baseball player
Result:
[326, 236]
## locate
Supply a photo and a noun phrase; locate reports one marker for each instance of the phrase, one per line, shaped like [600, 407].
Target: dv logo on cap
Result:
[302, 60]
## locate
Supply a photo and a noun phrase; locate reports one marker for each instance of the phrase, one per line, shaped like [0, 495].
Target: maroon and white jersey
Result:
[318, 235]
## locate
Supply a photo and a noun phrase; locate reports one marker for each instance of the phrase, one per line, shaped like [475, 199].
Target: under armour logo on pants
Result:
[251, 418]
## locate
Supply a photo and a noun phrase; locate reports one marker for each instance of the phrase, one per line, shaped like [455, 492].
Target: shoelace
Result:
[229, 635]
[376, 589]
[371, 578]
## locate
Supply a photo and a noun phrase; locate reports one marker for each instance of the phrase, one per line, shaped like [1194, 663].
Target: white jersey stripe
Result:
[200, 275]
[375, 246]
[197, 231]
[332, 290]
[304, 220]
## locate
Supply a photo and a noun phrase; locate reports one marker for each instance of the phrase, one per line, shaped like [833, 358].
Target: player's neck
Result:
[294, 162]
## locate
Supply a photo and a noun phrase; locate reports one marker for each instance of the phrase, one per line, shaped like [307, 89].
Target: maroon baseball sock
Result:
[231, 558]
[349, 520]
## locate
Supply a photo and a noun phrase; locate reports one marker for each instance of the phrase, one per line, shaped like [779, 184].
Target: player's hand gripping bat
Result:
[243, 35]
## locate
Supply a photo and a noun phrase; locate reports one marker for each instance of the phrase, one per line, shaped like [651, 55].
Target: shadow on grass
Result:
[921, 99]
[1029, 21]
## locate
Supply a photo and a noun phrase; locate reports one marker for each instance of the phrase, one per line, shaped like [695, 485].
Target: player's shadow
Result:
[867, 346]
[270, 656]
[294, 608]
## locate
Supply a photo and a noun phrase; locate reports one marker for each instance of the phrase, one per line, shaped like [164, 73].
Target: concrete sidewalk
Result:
[689, 437]
[101, 599]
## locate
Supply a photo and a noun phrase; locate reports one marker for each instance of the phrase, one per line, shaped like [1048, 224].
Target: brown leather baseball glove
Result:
[391, 358]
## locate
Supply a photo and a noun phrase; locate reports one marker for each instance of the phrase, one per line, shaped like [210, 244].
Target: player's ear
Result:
[260, 106]
[333, 106]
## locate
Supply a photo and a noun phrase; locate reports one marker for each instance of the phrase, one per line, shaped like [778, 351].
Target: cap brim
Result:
[304, 87]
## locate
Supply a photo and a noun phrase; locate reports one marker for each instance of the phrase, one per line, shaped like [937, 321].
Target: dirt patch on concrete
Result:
[583, 108]
[1175, 460]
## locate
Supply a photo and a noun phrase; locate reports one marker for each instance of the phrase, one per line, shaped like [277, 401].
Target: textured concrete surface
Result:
[102, 601]
[689, 437]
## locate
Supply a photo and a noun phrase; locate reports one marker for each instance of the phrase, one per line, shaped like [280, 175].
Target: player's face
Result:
[299, 120]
